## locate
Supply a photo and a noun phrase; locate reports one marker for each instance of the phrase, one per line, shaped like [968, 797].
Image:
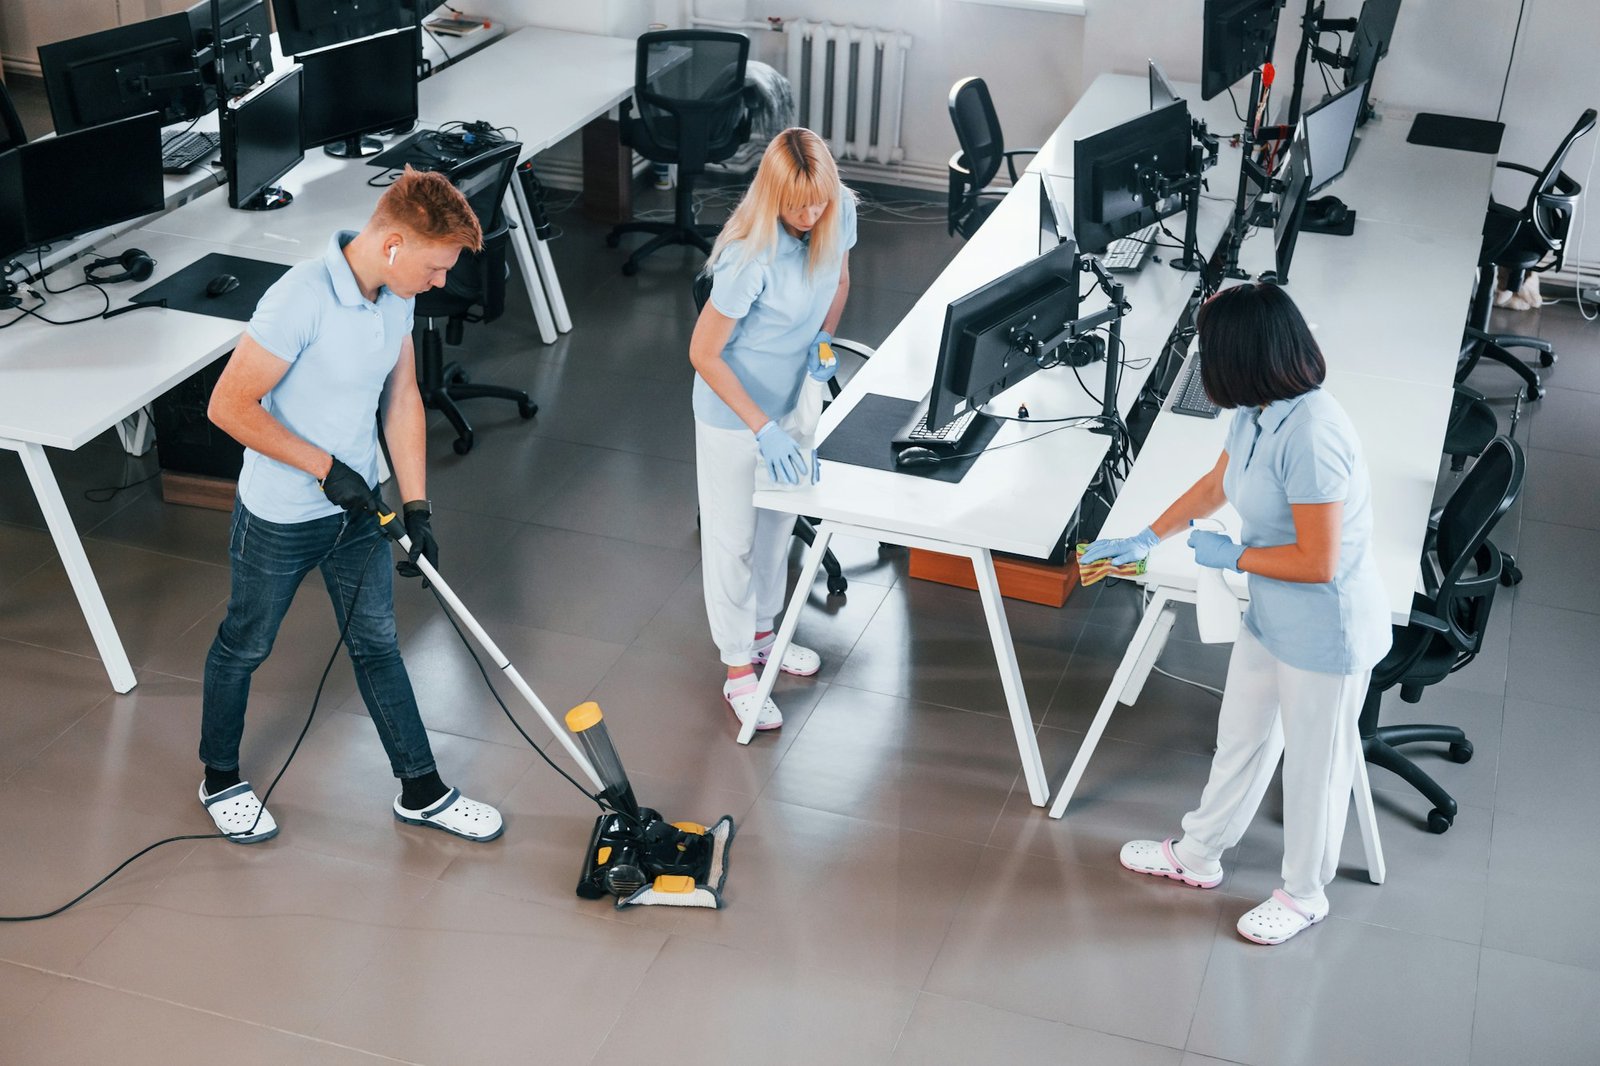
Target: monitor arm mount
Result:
[1250, 173]
[220, 47]
[1312, 26]
[1202, 157]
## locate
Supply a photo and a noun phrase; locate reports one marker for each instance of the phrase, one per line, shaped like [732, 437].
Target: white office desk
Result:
[1016, 499]
[66, 384]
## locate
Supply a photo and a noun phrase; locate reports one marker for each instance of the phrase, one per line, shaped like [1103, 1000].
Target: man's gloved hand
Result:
[419, 528]
[1122, 550]
[785, 463]
[821, 363]
[1216, 550]
[348, 489]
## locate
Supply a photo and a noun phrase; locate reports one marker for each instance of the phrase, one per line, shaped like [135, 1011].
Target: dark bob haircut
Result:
[1257, 347]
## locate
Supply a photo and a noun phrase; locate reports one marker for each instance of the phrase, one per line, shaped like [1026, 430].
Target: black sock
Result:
[419, 792]
[217, 780]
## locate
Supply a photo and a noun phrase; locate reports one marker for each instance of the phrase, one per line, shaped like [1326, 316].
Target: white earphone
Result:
[393, 248]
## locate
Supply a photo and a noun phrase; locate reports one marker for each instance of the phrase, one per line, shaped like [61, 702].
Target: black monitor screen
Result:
[981, 353]
[13, 235]
[360, 87]
[1161, 93]
[117, 73]
[304, 25]
[1119, 175]
[1291, 207]
[1329, 132]
[1055, 222]
[262, 140]
[91, 178]
[1236, 38]
[246, 62]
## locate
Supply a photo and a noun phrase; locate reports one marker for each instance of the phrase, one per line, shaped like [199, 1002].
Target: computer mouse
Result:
[221, 285]
[915, 456]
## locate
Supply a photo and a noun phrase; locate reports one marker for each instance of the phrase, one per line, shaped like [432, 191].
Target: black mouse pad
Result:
[864, 438]
[423, 152]
[1453, 131]
[186, 290]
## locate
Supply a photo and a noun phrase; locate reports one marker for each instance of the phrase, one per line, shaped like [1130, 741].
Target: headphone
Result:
[136, 266]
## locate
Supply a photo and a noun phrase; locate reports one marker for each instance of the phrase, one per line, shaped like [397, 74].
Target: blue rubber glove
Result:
[1216, 550]
[785, 462]
[1121, 550]
[821, 363]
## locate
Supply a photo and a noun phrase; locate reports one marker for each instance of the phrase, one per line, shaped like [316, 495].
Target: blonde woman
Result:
[780, 276]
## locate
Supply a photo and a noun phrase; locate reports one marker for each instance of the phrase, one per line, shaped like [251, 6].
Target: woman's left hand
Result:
[821, 363]
[1216, 550]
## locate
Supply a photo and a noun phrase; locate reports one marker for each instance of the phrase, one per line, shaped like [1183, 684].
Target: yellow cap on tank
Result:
[585, 715]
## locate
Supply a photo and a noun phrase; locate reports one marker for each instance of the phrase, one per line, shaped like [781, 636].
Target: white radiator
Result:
[849, 86]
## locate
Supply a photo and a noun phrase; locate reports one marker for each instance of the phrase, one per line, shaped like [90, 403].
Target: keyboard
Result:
[180, 151]
[1127, 254]
[949, 436]
[1192, 398]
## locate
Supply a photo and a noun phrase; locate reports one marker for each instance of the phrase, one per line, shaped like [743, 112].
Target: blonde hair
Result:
[796, 171]
[427, 204]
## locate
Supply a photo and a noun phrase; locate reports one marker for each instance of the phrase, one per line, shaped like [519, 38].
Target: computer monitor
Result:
[83, 180]
[122, 72]
[359, 88]
[1161, 91]
[1291, 206]
[1330, 129]
[245, 63]
[261, 143]
[1055, 224]
[1122, 177]
[1236, 38]
[304, 25]
[13, 232]
[1368, 44]
[997, 335]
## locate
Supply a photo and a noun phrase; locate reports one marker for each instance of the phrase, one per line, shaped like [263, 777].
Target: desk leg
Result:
[1119, 681]
[521, 243]
[1367, 819]
[541, 258]
[791, 618]
[93, 604]
[1005, 654]
[136, 432]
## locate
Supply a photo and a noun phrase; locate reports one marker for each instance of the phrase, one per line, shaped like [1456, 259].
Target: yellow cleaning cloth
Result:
[1089, 573]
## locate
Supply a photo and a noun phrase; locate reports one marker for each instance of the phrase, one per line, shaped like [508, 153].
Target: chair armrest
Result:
[1011, 166]
[1428, 622]
[1520, 167]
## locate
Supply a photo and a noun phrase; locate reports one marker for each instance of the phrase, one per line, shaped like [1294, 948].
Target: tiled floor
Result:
[893, 896]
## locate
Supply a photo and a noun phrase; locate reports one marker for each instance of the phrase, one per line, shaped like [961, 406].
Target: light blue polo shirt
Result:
[779, 307]
[1305, 450]
[341, 348]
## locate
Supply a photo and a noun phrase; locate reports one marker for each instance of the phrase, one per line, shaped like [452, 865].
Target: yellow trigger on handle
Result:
[825, 353]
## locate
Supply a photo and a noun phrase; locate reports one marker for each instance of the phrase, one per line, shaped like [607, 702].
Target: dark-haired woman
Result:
[1318, 618]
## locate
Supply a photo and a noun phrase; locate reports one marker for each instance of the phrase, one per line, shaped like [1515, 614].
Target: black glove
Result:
[348, 489]
[419, 527]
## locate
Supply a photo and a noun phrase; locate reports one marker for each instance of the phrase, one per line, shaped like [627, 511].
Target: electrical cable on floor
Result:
[1217, 692]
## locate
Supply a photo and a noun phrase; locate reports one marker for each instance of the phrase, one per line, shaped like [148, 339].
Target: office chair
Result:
[1461, 570]
[982, 150]
[477, 280]
[11, 131]
[805, 528]
[1519, 240]
[689, 88]
[1471, 427]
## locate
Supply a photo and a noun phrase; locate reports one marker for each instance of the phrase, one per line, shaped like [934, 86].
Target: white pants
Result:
[744, 550]
[1316, 715]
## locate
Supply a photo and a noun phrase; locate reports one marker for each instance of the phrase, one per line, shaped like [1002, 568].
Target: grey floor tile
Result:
[44, 694]
[869, 562]
[954, 1031]
[22, 988]
[1102, 949]
[81, 1022]
[26, 549]
[1548, 488]
[1341, 992]
[99, 464]
[147, 522]
[1562, 326]
[822, 1016]
[1474, 783]
[911, 765]
[503, 956]
[513, 477]
[838, 894]
[612, 410]
[1524, 842]
[1534, 1011]
[1553, 572]
[628, 496]
[1566, 420]
[1547, 761]
[1533, 915]
[1552, 656]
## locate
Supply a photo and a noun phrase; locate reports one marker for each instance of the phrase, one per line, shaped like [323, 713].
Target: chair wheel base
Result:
[1535, 392]
[462, 445]
[527, 408]
[1461, 752]
[1439, 821]
[630, 268]
[1547, 359]
[613, 240]
[837, 587]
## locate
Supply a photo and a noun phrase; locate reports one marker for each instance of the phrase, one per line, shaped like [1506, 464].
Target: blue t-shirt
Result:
[341, 348]
[1304, 451]
[779, 306]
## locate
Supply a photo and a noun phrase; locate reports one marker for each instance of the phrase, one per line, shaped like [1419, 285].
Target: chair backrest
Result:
[1548, 177]
[977, 130]
[478, 278]
[1465, 567]
[688, 86]
[11, 131]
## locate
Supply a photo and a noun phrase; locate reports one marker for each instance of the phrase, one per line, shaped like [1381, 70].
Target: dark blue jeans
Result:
[269, 562]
